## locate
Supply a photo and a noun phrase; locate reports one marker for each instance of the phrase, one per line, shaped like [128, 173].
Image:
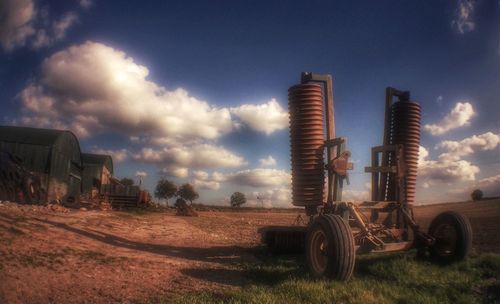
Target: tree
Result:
[165, 189]
[180, 203]
[127, 181]
[238, 199]
[476, 195]
[188, 193]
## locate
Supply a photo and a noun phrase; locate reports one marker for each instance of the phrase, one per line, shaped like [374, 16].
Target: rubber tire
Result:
[341, 255]
[463, 230]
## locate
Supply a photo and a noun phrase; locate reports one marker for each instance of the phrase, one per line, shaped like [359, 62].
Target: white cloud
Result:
[175, 171]
[276, 197]
[444, 170]
[458, 149]
[208, 185]
[267, 162]
[86, 3]
[459, 116]
[204, 180]
[21, 23]
[355, 195]
[60, 27]
[176, 161]
[108, 91]
[116, 155]
[463, 21]
[489, 185]
[16, 23]
[267, 117]
[42, 39]
[260, 177]
[141, 174]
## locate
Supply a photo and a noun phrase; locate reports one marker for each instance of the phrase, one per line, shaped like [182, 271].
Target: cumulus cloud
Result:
[21, 23]
[61, 26]
[204, 180]
[265, 179]
[141, 174]
[458, 149]
[116, 155]
[444, 170]
[463, 21]
[16, 23]
[356, 195]
[459, 116]
[276, 197]
[104, 89]
[260, 177]
[266, 118]
[267, 162]
[489, 185]
[176, 161]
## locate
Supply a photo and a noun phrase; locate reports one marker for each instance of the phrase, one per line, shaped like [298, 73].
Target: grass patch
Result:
[389, 278]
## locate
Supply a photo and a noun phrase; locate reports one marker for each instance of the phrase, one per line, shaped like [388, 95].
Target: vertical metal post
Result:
[382, 193]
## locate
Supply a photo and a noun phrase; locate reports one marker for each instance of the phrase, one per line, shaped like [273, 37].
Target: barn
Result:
[53, 157]
[97, 171]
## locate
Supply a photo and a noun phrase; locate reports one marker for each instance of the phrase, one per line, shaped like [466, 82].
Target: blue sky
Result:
[197, 91]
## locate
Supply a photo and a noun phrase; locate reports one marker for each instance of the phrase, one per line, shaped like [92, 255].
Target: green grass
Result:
[390, 278]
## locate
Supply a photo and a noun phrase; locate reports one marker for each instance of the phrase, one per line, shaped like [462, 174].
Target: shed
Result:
[53, 155]
[97, 171]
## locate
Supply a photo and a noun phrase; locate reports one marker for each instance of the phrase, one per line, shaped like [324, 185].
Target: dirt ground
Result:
[50, 256]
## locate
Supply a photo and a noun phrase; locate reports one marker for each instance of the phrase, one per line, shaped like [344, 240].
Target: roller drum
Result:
[305, 105]
[406, 131]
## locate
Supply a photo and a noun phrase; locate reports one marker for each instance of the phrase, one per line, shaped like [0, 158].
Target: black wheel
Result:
[330, 248]
[453, 234]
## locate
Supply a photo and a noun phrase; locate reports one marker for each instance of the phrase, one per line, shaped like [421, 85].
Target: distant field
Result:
[156, 257]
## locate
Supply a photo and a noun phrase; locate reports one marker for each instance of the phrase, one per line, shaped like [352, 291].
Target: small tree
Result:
[165, 189]
[238, 199]
[476, 195]
[188, 193]
[180, 203]
[127, 181]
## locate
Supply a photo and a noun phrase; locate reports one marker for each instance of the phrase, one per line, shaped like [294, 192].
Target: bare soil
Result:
[52, 256]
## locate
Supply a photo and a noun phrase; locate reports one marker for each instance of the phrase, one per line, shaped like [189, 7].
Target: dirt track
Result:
[107, 257]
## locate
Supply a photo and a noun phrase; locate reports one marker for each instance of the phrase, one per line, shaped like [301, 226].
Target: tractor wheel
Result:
[330, 248]
[32, 190]
[453, 234]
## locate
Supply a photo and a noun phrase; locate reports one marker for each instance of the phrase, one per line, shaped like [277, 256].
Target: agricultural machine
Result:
[339, 230]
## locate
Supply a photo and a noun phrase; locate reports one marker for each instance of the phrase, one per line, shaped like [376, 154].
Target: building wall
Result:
[57, 163]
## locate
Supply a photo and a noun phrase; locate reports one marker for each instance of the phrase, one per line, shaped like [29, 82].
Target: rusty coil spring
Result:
[305, 105]
[406, 131]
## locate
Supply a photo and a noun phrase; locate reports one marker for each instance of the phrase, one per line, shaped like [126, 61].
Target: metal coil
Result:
[305, 105]
[406, 131]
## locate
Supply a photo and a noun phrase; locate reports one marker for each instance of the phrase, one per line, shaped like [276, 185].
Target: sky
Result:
[196, 91]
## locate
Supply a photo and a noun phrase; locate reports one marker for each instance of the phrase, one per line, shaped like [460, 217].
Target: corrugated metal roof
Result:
[98, 159]
[34, 136]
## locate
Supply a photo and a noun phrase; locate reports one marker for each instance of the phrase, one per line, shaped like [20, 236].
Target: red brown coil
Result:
[305, 105]
[406, 131]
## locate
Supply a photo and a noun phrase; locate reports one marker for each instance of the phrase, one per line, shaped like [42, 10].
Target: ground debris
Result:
[94, 204]
[186, 211]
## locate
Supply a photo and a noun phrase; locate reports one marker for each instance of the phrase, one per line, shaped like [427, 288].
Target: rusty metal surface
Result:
[305, 104]
[406, 131]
